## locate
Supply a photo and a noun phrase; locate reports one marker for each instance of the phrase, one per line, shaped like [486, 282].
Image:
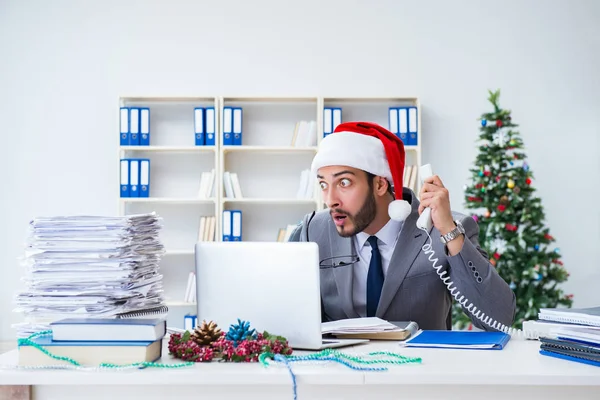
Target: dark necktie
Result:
[374, 278]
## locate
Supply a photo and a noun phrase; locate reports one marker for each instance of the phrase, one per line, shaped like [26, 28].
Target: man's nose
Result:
[332, 200]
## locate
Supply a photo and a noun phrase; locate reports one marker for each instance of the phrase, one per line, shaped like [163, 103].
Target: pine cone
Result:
[206, 333]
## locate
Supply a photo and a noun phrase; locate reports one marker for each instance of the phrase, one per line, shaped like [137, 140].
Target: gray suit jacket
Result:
[412, 290]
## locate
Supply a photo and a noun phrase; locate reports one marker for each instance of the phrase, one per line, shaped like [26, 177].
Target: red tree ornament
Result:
[501, 207]
[498, 123]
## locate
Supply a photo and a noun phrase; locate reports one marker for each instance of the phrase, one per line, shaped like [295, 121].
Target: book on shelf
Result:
[307, 185]
[206, 230]
[190, 291]
[305, 134]
[283, 235]
[207, 184]
[231, 184]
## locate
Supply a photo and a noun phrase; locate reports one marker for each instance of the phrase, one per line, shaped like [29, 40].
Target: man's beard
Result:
[362, 219]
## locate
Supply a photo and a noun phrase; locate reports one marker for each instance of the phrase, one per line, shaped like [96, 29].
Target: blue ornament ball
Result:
[511, 163]
[512, 286]
[480, 173]
[483, 122]
[537, 247]
[525, 167]
[557, 250]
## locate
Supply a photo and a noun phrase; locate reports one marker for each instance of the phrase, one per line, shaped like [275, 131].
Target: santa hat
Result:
[371, 148]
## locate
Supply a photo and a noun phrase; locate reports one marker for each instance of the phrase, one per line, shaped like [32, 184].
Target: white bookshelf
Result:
[267, 165]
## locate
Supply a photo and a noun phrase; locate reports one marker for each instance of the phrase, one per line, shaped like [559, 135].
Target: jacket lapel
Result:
[343, 275]
[407, 248]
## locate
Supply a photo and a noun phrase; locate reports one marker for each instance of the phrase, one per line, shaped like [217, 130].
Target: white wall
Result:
[63, 65]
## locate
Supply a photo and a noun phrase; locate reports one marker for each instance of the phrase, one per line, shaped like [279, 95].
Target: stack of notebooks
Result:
[92, 341]
[574, 334]
[91, 267]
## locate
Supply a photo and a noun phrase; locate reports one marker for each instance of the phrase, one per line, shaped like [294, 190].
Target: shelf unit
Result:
[266, 163]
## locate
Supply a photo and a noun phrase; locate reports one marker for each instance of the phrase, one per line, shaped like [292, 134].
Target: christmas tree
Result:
[511, 220]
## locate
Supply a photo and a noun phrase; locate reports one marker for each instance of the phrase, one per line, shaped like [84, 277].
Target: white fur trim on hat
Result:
[353, 150]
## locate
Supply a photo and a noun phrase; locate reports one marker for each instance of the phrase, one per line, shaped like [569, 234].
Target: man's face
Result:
[350, 198]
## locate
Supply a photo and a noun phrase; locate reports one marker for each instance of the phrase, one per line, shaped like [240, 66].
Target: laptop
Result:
[272, 285]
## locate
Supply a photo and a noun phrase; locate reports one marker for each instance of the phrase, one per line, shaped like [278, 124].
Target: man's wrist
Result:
[446, 228]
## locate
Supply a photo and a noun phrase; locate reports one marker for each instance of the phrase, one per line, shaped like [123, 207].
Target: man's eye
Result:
[323, 185]
[345, 182]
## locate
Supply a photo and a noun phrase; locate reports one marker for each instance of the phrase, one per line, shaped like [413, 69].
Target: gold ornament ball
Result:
[511, 184]
[487, 213]
[504, 200]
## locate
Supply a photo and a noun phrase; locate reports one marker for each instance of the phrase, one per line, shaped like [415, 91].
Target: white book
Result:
[210, 192]
[302, 185]
[228, 186]
[211, 229]
[235, 183]
[302, 137]
[201, 229]
[188, 288]
[203, 184]
[311, 139]
[310, 187]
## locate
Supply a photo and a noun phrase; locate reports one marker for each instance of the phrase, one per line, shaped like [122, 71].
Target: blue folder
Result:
[474, 340]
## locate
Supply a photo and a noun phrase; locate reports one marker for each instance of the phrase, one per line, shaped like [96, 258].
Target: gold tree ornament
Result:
[206, 333]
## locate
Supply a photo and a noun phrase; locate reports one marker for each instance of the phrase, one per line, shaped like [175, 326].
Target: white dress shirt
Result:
[386, 241]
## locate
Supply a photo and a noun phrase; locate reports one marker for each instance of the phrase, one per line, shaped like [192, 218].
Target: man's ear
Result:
[381, 185]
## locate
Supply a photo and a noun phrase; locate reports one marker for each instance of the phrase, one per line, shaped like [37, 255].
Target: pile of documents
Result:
[573, 334]
[89, 267]
[369, 328]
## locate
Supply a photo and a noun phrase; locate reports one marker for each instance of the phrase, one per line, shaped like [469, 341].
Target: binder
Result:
[124, 184]
[473, 340]
[236, 225]
[209, 126]
[227, 226]
[413, 134]
[189, 322]
[134, 126]
[336, 118]
[144, 178]
[134, 178]
[124, 124]
[199, 126]
[403, 125]
[237, 126]
[393, 120]
[227, 126]
[327, 121]
[144, 126]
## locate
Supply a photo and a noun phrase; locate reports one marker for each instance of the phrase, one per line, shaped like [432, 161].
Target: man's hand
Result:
[435, 196]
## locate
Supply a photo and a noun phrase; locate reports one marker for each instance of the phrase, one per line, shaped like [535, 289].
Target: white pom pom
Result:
[399, 210]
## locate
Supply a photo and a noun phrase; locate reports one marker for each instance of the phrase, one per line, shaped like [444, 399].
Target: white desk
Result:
[518, 371]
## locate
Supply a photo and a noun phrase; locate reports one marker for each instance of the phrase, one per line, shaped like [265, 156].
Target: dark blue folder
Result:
[474, 340]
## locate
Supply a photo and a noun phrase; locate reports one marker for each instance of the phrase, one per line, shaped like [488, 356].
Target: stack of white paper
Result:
[89, 266]
[357, 325]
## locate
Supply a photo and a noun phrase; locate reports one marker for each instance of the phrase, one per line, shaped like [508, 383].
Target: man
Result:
[374, 265]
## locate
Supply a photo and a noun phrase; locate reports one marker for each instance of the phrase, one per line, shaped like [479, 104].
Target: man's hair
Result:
[370, 177]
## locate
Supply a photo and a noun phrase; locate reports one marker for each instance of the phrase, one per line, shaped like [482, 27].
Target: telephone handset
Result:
[425, 223]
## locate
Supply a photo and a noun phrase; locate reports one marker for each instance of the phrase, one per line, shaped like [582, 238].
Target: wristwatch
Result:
[454, 233]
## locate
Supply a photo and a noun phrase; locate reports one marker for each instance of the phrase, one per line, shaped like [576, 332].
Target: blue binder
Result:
[209, 126]
[144, 178]
[134, 126]
[327, 121]
[236, 225]
[227, 225]
[474, 340]
[124, 183]
[189, 322]
[393, 120]
[134, 178]
[199, 126]
[227, 126]
[403, 125]
[237, 126]
[336, 117]
[144, 126]
[413, 129]
[124, 123]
